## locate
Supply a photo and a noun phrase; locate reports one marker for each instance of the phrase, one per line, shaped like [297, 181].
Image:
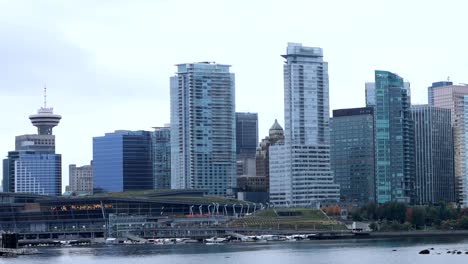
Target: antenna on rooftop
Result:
[448, 78]
[45, 96]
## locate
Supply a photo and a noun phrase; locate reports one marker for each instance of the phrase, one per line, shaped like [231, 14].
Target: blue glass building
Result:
[394, 139]
[122, 161]
[38, 173]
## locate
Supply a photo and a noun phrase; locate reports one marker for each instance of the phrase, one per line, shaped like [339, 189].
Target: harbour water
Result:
[375, 251]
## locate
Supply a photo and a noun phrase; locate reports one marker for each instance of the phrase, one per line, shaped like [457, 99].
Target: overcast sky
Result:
[107, 64]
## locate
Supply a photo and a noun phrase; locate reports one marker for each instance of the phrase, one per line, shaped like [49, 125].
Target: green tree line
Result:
[393, 216]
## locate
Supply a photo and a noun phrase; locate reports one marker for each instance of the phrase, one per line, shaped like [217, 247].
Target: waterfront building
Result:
[80, 179]
[454, 97]
[122, 161]
[34, 167]
[435, 85]
[203, 128]
[300, 173]
[161, 153]
[394, 141]
[352, 153]
[434, 176]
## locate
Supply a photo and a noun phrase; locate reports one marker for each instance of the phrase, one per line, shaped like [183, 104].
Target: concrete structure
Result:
[434, 176]
[203, 128]
[122, 161]
[161, 155]
[394, 145]
[34, 167]
[80, 179]
[352, 153]
[300, 173]
[454, 97]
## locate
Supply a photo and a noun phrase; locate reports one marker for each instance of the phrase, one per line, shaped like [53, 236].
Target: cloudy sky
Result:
[107, 63]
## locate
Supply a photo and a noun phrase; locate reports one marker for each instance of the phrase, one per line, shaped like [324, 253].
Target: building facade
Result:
[300, 173]
[161, 149]
[434, 176]
[203, 128]
[352, 153]
[122, 161]
[453, 97]
[81, 178]
[394, 139]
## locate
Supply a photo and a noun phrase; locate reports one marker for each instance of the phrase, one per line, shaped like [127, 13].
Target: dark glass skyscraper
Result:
[122, 161]
[394, 139]
[434, 181]
[352, 153]
[246, 134]
[161, 149]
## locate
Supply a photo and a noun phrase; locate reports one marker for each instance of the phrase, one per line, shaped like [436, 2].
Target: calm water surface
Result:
[317, 252]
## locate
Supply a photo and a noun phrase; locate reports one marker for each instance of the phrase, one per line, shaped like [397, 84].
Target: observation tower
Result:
[45, 119]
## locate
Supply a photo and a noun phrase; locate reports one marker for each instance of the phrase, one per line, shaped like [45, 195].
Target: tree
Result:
[418, 216]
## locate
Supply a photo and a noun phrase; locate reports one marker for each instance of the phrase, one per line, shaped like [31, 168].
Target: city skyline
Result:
[93, 77]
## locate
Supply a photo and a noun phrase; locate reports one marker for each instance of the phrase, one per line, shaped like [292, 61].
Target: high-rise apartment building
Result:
[122, 161]
[433, 159]
[34, 167]
[203, 128]
[300, 173]
[352, 153]
[455, 97]
[161, 149]
[394, 139]
[81, 178]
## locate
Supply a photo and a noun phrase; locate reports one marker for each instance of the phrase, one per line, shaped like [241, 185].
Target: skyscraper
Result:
[300, 173]
[203, 128]
[430, 90]
[161, 149]
[122, 161]
[455, 98]
[34, 167]
[352, 153]
[246, 134]
[394, 145]
[434, 176]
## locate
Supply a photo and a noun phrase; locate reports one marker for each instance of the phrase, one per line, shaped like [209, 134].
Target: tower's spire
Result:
[45, 96]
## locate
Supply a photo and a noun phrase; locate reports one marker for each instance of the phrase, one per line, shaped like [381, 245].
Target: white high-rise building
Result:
[203, 128]
[300, 173]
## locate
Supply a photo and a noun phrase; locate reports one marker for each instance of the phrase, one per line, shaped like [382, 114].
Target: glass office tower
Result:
[161, 149]
[246, 134]
[434, 175]
[352, 153]
[394, 139]
[203, 128]
[122, 161]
